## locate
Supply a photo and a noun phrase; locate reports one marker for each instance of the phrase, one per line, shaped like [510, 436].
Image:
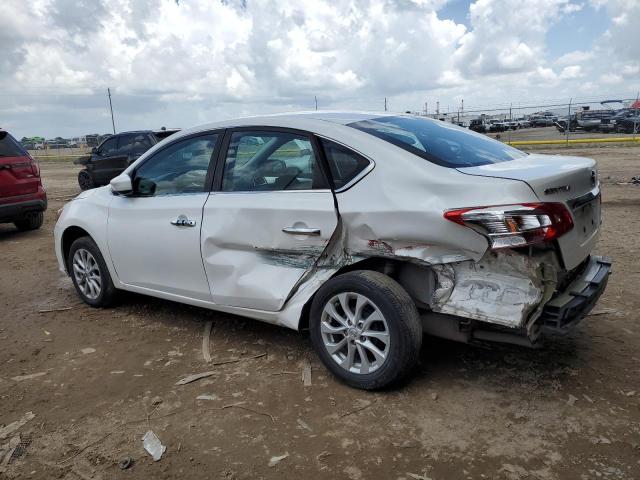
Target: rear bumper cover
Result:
[567, 308]
[14, 211]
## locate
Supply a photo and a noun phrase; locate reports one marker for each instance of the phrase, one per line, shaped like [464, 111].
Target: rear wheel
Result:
[89, 273]
[30, 221]
[365, 329]
[85, 180]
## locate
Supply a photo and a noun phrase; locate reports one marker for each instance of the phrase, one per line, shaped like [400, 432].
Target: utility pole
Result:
[426, 109]
[113, 123]
[316, 100]
[437, 109]
[385, 104]
[635, 126]
[569, 121]
[462, 110]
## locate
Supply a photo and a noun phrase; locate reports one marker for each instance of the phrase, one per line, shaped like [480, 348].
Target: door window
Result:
[177, 169]
[271, 161]
[344, 164]
[109, 146]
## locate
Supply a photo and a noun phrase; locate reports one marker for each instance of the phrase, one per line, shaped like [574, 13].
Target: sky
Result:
[179, 63]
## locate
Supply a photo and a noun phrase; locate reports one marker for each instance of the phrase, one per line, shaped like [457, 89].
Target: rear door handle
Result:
[183, 221]
[301, 231]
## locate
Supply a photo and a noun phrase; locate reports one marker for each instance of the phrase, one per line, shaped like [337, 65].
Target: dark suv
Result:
[22, 196]
[115, 153]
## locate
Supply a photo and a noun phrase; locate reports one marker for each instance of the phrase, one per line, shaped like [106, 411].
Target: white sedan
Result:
[366, 229]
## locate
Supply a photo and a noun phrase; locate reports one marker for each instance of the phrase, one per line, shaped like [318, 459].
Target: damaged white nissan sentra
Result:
[367, 229]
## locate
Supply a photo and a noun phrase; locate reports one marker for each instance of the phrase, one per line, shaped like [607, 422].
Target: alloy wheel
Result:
[355, 333]
[87, 273]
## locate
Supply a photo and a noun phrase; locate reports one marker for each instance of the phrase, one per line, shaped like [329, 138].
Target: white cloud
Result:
[570, 72]
[571, 58]
[196, 61]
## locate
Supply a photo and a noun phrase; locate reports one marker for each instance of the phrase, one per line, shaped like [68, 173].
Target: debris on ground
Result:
[198, 376]
[49, 310]
[153, 446]
[125, 463]
[156, 401]
[572, 400]
[30, 376]
[242, 407]
[194, 377]
[88, 350]
[304, 425]
[276, 460]
[206, 338]
[306, 372]
[434, 396]
[207, 397]
[635, 180]
[415, 476]
[7, 450]
[12, 427]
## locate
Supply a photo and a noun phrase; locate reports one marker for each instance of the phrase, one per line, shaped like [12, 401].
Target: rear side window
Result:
[9, 147]
[441, 143]
[344, 164]
[270, 161]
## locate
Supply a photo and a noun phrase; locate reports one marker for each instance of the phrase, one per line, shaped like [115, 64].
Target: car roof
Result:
[293, 119]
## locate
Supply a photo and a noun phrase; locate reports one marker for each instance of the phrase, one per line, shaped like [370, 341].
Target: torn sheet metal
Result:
[503, 288]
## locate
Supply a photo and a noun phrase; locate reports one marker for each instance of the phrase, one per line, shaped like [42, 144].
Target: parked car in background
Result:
[497, 126]
[22, 196]
[365, 229]
[523, 123]
[511, 125]
[541, 121]
[628, 124]
[116, 153]
[479, 125]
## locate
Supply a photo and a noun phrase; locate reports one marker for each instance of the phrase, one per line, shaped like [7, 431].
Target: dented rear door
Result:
[269, 221]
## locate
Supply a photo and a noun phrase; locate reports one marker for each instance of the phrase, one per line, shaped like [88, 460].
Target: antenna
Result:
[113, 123]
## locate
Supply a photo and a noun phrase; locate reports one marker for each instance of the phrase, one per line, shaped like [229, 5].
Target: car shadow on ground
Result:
[492, 365]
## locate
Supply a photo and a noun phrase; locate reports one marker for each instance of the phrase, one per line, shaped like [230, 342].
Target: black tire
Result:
[400, 314]
[107, 292]
[85, 180]
[30, 221]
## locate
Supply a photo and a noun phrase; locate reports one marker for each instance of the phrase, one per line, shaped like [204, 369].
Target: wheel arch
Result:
[70, 235]
[417, 279]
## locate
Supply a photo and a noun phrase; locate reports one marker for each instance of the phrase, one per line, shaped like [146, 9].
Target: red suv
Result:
[22, 196]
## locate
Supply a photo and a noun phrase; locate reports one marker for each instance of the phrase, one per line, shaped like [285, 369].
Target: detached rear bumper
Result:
[566, 309]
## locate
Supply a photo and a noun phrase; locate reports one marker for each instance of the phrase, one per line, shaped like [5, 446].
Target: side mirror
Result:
[122, 184]
[94, 150]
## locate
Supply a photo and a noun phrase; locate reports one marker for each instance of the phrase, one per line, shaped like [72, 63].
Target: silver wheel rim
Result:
[87, 274]
[355, 333]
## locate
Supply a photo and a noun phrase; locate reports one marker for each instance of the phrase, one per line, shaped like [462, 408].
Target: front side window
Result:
[177, 169]
[269, 161]
[344, 164]
[441, 143]
[109, 146]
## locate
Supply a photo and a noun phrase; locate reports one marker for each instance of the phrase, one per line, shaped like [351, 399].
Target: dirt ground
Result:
[102, 378]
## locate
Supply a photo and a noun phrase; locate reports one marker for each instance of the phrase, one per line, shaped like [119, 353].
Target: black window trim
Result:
[360, 175]
[215, 156]
[318, 152]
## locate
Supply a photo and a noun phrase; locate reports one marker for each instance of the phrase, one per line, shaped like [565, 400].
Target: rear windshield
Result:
[9, 147]
[442, 143]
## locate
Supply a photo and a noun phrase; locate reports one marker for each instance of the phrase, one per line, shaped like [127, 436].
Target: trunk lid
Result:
[557, 178]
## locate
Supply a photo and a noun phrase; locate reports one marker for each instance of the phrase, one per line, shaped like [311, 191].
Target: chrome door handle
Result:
[301, 231]
[183, 221]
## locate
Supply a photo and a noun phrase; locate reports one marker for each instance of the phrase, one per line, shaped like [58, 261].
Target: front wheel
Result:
[89, 273]
[366, 329]
[85, 180]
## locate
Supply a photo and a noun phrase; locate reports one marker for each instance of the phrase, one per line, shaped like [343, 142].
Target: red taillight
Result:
[508, 226]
